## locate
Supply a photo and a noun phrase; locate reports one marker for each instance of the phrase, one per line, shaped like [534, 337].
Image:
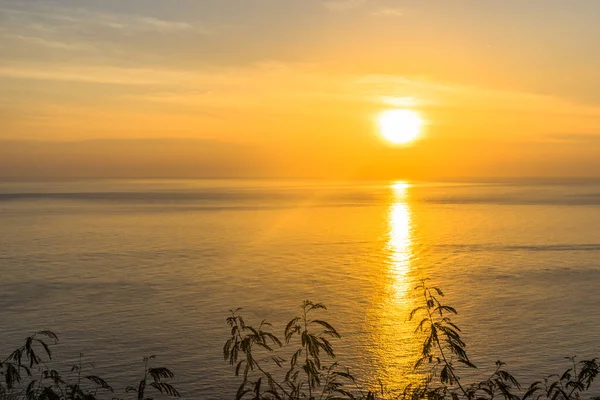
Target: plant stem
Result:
[427, 293]
[306, 351]
[271, 380]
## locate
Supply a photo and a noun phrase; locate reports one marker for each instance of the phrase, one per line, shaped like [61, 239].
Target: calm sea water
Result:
[125, 269]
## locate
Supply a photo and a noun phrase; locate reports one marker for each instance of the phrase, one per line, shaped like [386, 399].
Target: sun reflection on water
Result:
[399, 245]
[399, 241]
[393, 343]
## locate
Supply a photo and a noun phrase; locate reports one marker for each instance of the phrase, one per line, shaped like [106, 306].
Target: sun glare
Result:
[400, 126]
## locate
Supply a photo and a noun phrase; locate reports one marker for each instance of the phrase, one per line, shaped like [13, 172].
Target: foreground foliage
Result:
[300, 364]
[27, 374]
[311, 371]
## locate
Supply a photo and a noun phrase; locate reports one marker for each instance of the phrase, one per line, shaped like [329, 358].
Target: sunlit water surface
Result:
[125, 269]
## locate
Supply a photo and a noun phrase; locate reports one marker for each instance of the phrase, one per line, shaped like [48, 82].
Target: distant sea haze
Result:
[124, 269]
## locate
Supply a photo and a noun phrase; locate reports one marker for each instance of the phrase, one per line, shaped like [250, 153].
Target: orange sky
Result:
[278, 88]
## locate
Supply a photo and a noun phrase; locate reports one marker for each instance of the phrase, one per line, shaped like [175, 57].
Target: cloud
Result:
[37, 33]
[457, 95]
[91, 74]
[144, 23]
[51, 44]
[163, 25]
[54, 19]
[388, 12]
[276, 81]
[341, 5]
[148, 102]
[21, 159]
[579, 138]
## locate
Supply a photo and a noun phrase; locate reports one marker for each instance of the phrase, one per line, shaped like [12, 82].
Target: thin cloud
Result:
[51, 44]
[92, 74]
[341, 5]
[163, 25]
[579, 138]
[384, 87]
[296, 82]
[51, 19]
[388, 12]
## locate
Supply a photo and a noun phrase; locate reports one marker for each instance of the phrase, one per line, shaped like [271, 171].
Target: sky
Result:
[293, 88]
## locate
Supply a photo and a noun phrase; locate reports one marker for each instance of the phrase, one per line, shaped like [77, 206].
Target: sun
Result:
[400, 126]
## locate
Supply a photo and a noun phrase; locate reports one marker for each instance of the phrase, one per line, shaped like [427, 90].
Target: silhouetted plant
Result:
[310, 371]
[444, 350]
[302, 365]
[22, 360]
[442, 355]
[443, 345]
[155, 377]
[26, 374]
[77, 391]
[31, 362]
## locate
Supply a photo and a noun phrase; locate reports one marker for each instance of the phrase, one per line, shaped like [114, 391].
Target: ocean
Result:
[125, 269]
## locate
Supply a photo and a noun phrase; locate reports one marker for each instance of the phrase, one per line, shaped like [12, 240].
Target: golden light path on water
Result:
[399, 242]
[394, 344]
